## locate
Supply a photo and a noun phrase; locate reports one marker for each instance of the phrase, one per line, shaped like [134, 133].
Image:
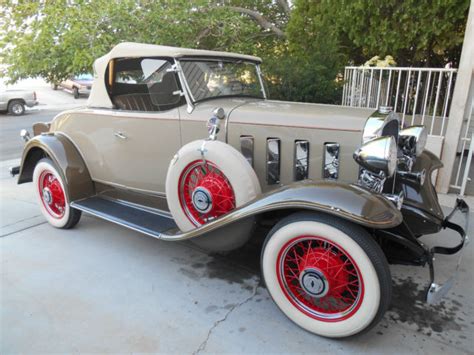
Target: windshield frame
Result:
[188, 93]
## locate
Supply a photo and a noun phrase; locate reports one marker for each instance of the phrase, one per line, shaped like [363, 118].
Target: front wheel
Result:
[53, 201]
[326, 274]
[75, 92]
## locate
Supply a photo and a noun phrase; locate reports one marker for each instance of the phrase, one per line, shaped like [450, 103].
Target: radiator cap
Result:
[385, 110]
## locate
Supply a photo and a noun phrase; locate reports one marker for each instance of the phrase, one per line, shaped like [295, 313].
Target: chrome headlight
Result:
[413, 140]
[379, 126]
[378, 155]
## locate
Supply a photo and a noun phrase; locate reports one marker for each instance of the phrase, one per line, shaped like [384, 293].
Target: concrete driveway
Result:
[101, 288]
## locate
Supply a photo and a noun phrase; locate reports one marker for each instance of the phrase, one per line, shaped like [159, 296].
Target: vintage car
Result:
[77, 85]
[183, 144]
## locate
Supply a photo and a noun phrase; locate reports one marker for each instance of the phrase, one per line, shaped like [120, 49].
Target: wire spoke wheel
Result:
[320, 278]
[52, 194]
[205, 193]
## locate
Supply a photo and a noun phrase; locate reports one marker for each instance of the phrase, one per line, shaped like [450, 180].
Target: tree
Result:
[414, 32]
[304, 46]
[56, 38]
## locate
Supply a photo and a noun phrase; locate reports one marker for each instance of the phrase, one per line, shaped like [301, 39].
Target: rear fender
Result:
[66, 157]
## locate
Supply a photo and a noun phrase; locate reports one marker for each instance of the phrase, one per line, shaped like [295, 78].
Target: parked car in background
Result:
[77, 85]
[14, 101]
[183, 144]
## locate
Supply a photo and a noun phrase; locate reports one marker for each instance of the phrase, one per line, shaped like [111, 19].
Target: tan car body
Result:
[125, 154]
[300, 170]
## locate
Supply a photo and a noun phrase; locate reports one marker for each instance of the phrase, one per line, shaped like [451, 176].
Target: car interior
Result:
[134, 90]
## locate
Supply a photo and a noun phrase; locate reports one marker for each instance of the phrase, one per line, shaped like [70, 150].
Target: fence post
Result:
[458, 105]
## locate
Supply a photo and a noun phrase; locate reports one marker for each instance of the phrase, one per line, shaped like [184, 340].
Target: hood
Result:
[306, 115]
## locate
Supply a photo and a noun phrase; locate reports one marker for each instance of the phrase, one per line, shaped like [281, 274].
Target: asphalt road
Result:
[51, 102]
[11, 145]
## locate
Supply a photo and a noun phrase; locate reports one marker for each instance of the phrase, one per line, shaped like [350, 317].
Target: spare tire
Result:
[200, 190]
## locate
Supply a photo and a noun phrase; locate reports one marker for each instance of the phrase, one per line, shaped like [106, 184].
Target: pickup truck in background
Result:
[14, 101]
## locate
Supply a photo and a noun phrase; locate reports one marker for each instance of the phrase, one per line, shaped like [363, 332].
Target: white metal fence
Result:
[420, 95]
[460, 176]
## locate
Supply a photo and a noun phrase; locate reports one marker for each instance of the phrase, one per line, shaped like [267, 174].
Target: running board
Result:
[137, 219]
[326, 197]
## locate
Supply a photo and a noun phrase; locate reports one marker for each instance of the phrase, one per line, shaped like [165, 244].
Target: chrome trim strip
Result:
[301, 160]
[137, 206]
[331, 156]
[247, 148]
[154, 193]
[273, 160]
[188, 95]
[260, 78]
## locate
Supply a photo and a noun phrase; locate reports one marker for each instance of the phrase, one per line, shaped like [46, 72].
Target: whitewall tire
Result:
[326, 274]
[199, 190]
[52, 197]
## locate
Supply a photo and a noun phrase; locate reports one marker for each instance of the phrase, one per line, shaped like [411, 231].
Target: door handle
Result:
[120, 135]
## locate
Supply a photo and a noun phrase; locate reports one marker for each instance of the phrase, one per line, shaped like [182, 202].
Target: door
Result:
[131, 146]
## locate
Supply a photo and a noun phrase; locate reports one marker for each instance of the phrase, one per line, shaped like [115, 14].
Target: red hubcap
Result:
[52, 194]
[205, 192]
[320, 278]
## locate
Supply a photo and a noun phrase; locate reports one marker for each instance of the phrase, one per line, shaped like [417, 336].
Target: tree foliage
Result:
[414, 32]
[304, 46]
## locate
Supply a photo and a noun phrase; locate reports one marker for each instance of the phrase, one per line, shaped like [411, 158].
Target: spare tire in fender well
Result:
[66, 157]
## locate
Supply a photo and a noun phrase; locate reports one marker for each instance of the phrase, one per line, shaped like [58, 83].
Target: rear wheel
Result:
[16, 108]
[53, 201]
[326, 274]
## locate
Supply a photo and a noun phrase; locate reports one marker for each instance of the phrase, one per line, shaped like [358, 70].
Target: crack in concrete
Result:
[23, 229]
[203, 345]
[21, 220]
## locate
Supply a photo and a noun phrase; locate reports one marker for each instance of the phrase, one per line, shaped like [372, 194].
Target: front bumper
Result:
[85, 90]
[437, 291]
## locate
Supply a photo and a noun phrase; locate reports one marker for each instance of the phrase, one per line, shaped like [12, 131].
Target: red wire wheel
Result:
[320, 278]
[204, 192]
[52, 194]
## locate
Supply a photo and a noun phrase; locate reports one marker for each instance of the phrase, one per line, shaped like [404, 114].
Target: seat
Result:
[134, 102]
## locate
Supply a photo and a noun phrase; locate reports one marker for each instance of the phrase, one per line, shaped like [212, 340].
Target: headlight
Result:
[378, 155]
[379, 126]
[413, 140]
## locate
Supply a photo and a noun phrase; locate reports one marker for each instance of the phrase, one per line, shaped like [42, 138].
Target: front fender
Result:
[66, 157]
[346, 201]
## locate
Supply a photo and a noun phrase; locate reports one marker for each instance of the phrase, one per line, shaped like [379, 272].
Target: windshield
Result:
[84, 77]
[221, 78]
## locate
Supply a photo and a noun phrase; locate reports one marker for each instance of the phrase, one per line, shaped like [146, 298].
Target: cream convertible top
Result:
[99, 96]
